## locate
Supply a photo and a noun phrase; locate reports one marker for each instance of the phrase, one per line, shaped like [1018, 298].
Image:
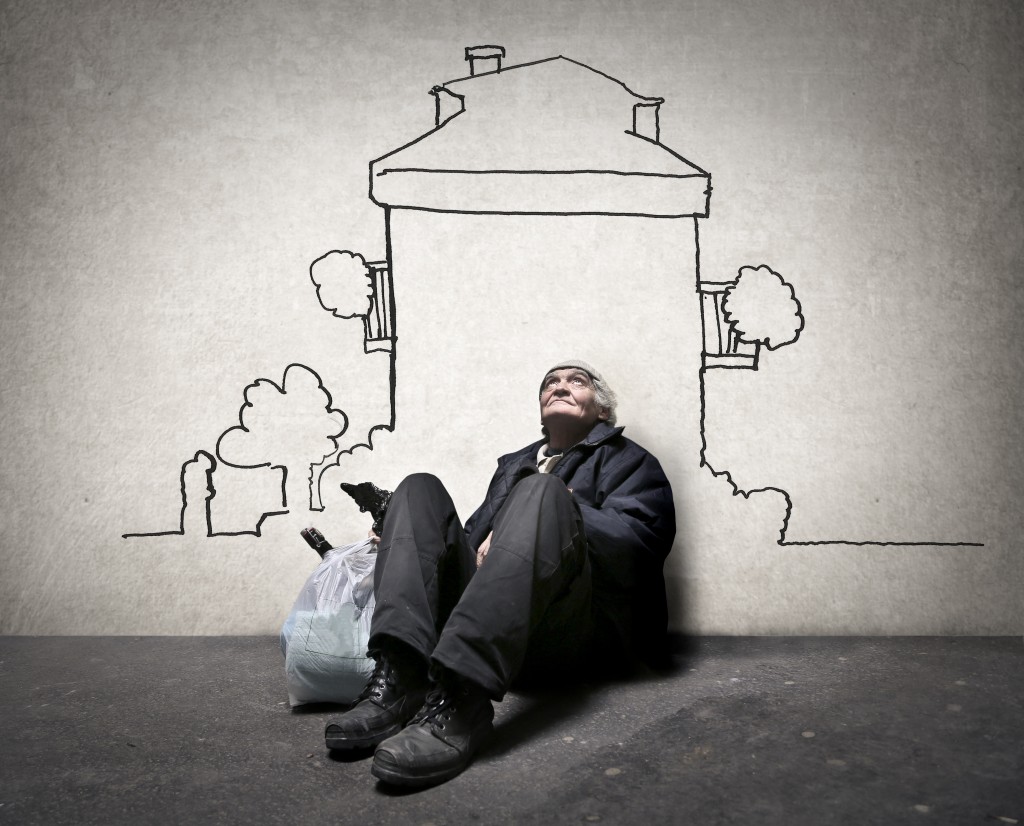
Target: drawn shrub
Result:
[343, 283]
[763, 307]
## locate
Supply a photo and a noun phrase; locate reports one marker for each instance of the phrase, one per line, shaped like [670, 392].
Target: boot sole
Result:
[400, 778]
[341, 743]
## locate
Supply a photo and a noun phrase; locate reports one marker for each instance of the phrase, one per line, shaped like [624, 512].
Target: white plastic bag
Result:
[325, 636]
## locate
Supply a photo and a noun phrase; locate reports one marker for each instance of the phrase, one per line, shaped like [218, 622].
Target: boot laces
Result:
[439, 705]
[381, 679]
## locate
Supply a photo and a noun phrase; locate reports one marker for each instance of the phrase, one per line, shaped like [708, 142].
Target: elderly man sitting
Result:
[557, 574]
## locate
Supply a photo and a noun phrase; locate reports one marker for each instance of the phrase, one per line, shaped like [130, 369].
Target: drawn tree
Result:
[291, 426]
[762, 307]
[343, 283]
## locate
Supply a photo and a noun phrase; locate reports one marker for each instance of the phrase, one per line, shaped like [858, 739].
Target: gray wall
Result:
[169, 171]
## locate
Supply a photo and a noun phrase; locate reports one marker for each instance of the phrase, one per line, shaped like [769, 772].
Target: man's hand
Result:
[481, 552]
[372, 535]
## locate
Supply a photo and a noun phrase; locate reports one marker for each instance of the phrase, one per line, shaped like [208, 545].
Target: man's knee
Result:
[540, 495]
[539, 484]
[540, 520]
[418, 501]
[417, 483]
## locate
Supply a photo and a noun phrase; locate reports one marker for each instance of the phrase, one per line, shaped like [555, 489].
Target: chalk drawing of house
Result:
[541, 217]
[553, 137]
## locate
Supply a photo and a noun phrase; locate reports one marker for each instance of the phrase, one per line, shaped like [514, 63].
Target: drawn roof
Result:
[551, 137]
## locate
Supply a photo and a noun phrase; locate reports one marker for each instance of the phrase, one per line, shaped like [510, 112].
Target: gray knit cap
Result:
[605, 395]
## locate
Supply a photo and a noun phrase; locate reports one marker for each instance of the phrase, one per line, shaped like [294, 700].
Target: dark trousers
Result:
[525, 611]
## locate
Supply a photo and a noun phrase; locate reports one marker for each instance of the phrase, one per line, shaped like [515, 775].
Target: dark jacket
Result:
[629, 517]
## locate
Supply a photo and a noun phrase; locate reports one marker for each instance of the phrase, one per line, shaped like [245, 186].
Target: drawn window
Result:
[722, 346]
[379, 324]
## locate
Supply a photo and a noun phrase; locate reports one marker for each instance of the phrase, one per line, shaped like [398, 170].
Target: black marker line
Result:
[701, 172]
[210, 532]
[392, 361]
[450, 211]
[507, 69]
[259, 526]
[413, 142]
[619, 173]
[888, 543]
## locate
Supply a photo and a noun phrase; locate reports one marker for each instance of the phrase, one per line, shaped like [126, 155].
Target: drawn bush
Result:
[763, 307]
[343, 283]
[291, 426]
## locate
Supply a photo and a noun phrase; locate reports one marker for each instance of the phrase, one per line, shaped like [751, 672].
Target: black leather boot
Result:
[440, 741]
[392, 696]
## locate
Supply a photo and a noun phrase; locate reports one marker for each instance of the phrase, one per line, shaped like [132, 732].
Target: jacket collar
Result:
[599, 434]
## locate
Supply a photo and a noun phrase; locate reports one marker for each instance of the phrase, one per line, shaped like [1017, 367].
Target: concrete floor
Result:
[746, 730]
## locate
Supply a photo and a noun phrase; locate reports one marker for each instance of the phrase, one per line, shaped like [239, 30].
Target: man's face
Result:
[567, 397]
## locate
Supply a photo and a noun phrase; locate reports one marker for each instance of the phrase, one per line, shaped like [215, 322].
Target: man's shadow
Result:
[539, 707]
[538, 710]
[542, 708]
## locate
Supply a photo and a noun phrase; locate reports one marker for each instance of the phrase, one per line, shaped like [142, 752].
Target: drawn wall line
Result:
[446, 171]
[257, 531]
[207, 517]
[323, 425]
[733, 334]
[552, 213]
[720, 331]
[892, 544]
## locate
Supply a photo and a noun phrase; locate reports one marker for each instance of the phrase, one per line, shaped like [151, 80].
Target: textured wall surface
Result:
[168, 172]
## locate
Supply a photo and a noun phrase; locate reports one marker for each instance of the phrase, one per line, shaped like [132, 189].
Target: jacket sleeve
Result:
[629, 518]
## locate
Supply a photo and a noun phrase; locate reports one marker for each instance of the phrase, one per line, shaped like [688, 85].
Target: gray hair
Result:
[603, 393]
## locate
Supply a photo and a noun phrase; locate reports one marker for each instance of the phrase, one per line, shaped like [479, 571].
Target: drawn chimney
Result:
[483, 59]
[646, 120]
[447, 104]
